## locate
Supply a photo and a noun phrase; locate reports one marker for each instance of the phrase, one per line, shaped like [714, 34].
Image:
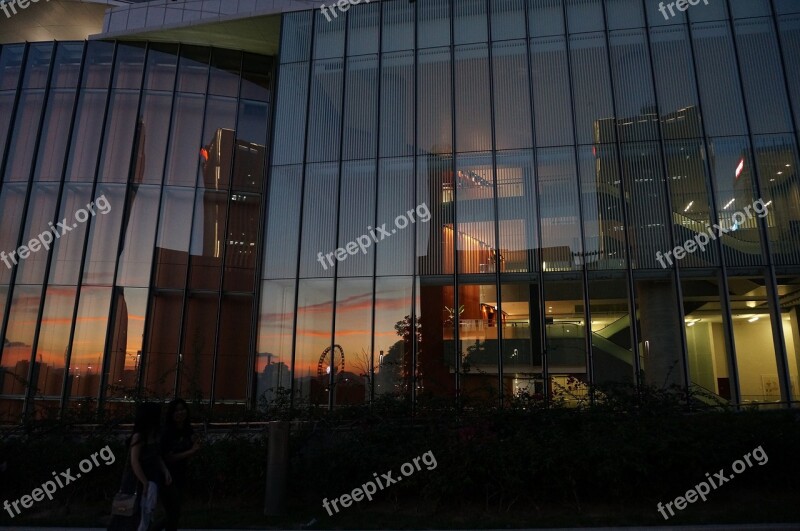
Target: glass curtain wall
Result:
[556, 152]
[131, 196]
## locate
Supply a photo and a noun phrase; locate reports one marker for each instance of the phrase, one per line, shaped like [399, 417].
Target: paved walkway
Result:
[744, 527]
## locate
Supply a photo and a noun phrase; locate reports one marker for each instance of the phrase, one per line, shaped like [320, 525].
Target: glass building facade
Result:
[158, 295]
[520, 168]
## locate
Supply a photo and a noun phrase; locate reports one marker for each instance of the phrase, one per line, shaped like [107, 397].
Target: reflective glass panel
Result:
[319, 220]
[196, 358]
[398, 26]
[517, 208]
[193, 69]
[566, 339]
[732, 172]
[68, 247]
[23, 136]
[475, 230]
[706, 344]
[478, 323]
[275, 335]
[208, 239]
[232, 367]
[185, 140]
[354, 335]
[37, 236]
[392, 337]
[395, 255]
[788, 291]
[562, 248]
[162, 60]
[283, 222]
[522, 352]
[435, 188]
[88, 343]
[753, 336]
[313, 349]
[51, 351]
[139, 224]
[358, 216]
[104, 233]
[172, 243]
[15, 364]
[251, 140]
[12, 202]
[241, 243]
[161, 359]
[603, 210]
[473, 99]
[86, 136]
[125, 351]
[659, 334]
[434, 97]
[612, 345]
[433, 25]
[151, 138]
[397, 104]
[115, 161]
[325, 120]
[512, 103]
[54, 135]
[434, 376]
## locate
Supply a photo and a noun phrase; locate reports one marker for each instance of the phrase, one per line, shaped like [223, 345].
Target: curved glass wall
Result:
[133, 177]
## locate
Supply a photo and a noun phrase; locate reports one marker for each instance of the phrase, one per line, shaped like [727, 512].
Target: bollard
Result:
[277, 465]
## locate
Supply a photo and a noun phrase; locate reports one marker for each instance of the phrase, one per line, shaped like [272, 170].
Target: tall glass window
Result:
[706, 342]
[54, 335]
[551, 91]
[566, 338]
[274, 349]
[512, 104]
[559, 214]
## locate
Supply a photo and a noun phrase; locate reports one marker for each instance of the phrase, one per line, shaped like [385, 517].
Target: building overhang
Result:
[252, 25]
[53, 20]
[258, 34]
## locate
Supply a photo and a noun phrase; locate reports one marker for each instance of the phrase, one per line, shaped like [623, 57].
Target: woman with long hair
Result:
[179, 443]
[145, 471]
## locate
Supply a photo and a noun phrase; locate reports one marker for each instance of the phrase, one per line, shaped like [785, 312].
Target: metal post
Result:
[277, 467]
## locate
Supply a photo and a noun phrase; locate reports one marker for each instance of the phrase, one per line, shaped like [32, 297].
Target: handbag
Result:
[124, 504]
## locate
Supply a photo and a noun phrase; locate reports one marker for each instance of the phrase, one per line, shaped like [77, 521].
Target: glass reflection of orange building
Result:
[556, 161]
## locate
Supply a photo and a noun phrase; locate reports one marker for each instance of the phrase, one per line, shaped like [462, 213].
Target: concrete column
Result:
[277, 468]
[660, 334]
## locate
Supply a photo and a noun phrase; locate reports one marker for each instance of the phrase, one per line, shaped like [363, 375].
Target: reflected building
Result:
[551, 153]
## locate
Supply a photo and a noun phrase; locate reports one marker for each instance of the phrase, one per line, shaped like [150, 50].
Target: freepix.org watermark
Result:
[704, 487]
[701, 239]
[58, 230]
[12, 5]
[62, 479]
[369, 488]
[364, 241]
[682, 5]
[343, 5]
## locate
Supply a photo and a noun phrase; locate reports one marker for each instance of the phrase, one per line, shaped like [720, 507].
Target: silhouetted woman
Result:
[145, 471]
[178, 445]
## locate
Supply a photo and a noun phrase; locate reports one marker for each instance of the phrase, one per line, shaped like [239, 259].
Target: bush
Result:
[630, 450]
